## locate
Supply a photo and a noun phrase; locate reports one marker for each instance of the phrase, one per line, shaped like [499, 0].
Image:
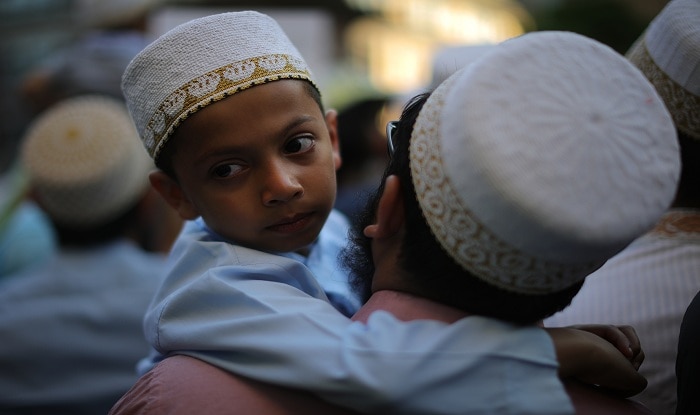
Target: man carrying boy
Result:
[228, 109]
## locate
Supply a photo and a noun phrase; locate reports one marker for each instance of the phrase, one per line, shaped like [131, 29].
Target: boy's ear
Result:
[171, 191]
[390, 211]
[332, 125]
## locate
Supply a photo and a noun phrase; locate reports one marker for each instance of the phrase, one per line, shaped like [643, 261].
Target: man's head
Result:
[668, 53]
[229, 110]
[86, 167]
[521, 174]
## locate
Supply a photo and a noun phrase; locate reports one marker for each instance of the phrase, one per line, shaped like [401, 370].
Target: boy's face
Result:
[259, 167]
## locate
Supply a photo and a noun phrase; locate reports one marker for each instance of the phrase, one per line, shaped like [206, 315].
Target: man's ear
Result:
[332, 125]
[171, 191]
[390, 212]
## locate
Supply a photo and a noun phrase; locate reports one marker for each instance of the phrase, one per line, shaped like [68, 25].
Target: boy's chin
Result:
[300, 244]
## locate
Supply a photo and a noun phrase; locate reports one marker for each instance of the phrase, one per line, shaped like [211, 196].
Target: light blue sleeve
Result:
[266, 318]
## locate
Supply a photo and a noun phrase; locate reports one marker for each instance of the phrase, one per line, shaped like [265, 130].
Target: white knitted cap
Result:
[542, 159]
[452, 58]
[201, 62]
[668, 53]
[85, 161]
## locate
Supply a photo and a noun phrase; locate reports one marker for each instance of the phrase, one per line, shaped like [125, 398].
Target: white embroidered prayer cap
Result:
[452, 58]
[201, 62]
[668, 53]
[84, 160]
[539, 161]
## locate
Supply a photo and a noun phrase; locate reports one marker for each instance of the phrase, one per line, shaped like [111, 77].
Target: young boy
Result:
[229, 110]
[268, 184]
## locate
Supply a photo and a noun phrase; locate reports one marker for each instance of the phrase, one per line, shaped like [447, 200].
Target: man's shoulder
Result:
[184, 385]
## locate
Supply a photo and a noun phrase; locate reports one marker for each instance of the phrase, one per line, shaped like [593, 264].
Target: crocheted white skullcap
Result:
[84, 160]
[451, 58]
[542, 159]
[668, 53]
[201, 62]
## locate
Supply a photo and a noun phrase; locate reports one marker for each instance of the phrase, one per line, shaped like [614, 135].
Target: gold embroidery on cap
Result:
[463, 237]
[214, 86]
[679, 224]
[683, 105]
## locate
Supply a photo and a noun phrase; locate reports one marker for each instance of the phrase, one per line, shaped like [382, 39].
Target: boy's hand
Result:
[624, 338]
[594, 360]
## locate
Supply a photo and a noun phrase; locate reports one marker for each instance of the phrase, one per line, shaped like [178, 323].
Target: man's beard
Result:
[357, 256]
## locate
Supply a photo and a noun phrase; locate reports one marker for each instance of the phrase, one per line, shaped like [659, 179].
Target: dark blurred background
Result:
[359, 49]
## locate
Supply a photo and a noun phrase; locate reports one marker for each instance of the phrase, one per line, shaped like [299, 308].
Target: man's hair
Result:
[165, 160]
[98, 234]
[431, 271]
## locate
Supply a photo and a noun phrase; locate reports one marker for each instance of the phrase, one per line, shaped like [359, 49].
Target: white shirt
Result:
[649, 285]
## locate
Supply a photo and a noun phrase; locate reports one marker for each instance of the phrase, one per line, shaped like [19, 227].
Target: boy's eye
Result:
[299, 145]
[227, 170]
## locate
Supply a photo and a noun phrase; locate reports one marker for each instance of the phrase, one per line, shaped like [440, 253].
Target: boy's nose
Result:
[280, 186]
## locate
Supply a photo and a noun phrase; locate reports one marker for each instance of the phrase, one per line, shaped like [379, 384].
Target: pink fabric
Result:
[182, 385]
[589, 401]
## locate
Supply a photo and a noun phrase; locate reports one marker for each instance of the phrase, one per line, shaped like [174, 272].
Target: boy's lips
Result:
[291, 224]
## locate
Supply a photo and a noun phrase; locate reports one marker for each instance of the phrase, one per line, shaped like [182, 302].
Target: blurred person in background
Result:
[363, 148]
[26, 236]
[112, 33]
[72, 327]
[651, 283]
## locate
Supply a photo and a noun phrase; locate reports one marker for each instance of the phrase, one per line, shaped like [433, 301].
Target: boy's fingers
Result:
[624, 338]
[637, 357]
[633, 339]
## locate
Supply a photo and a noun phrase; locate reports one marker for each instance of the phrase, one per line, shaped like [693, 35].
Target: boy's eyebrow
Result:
[302, 119]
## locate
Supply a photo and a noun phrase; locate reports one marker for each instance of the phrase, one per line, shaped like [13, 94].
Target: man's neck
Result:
[408, 307]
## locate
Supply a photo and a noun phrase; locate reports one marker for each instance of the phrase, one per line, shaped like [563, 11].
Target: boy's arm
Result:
[252, 320]
[594, 358]
[266, 318]
[624, 338]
